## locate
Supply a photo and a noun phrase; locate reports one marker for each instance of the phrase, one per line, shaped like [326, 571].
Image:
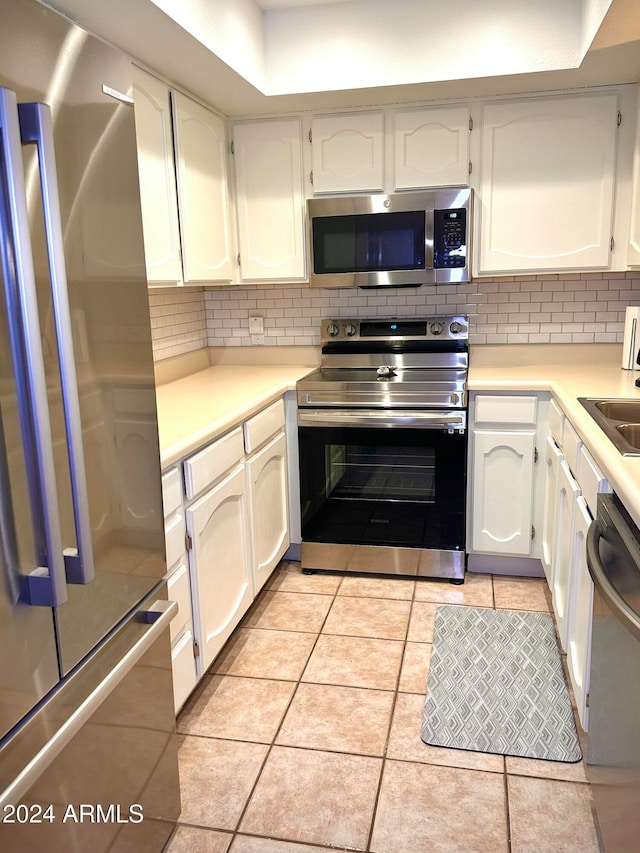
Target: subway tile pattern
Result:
[549, 309]
[323, 752]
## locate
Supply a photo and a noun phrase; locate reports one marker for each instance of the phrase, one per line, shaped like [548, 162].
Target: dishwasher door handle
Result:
[627, 617]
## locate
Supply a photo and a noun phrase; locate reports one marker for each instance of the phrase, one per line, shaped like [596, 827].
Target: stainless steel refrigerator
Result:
[87, 730]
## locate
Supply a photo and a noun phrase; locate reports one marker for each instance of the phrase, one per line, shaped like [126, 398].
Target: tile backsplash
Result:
[572, 308]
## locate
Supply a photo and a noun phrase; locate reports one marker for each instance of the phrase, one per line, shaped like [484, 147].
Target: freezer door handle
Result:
[158, 618]
[36, 128]
[45, 585]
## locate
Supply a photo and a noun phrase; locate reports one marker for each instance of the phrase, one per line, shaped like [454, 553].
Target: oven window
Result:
[383, 487]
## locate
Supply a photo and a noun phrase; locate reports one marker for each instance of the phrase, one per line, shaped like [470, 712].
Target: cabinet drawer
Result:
[592, 480]
[506, 410]
[183, 665]
[571, 444]
[179, 590]
[556, 422]
[210, 464]
[171, 491]
[263, 425]
[174, 533]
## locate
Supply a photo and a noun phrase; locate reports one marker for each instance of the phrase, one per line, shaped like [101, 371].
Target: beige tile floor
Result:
[305, 734]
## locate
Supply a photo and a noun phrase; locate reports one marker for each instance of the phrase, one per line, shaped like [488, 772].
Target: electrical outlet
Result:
[257, 339]
[256, 326]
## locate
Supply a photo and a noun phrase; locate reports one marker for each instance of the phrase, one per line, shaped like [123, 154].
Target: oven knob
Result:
[332, 330]
[455, 328]
[350, 329]
[436, 328]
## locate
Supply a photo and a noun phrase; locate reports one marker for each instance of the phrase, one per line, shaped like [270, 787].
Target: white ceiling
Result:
[268, 56]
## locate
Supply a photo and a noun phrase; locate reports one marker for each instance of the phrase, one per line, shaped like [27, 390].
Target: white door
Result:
[431, 147]
[201, 166]
[503, 491]
[267, 472]
[552, 465]
[580, 612]
[547, 183]
[348, 152]
[568, 491]
[156, 171]
[223, 590]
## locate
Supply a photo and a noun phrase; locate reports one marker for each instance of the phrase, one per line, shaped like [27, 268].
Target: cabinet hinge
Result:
[470, 166]
[238, 258]
[612, 244]
[196, 649]
[533, 532]
[535, 455]
[310, 135]
[470, 124]
[232, 147]
[311, 176]
[619, 118]
[587, 698]
[188, 541]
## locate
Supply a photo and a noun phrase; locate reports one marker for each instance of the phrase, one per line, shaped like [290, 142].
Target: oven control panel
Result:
[400, 329]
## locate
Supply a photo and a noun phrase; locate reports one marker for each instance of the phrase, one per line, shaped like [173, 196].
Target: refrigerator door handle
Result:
[158, 618]
[45, 585]
[36, 127]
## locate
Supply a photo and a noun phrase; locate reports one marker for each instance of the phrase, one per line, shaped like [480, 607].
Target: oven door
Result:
[396, 480]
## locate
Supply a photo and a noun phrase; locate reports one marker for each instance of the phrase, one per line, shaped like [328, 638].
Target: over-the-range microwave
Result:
[399, 240]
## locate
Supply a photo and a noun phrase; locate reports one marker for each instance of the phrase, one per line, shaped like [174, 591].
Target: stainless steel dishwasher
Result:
[613, 746]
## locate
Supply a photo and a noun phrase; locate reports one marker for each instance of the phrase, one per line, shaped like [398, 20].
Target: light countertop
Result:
[201, 406]
[196, 409]
[567, 382]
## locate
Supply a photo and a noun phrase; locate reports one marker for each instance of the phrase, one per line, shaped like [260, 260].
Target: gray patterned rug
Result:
[496, 684]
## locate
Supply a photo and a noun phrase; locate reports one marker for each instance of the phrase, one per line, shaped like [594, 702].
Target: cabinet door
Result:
[503, 491]
[201, 165]
[552, 466]
[568, 492]
[634, 234]
[348, 152]
[268, 492]
[431, 148]
[156, 171]
[221, 557]
[580, 612]
[547, 183]
[270, 200]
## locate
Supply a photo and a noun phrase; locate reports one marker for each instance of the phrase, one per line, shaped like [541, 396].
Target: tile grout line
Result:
[279, 727]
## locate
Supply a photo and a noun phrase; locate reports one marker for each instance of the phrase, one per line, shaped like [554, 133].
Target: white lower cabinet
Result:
[183, 663]
[568, 491]
[580, 612]
[551, 470]
[503, 491]
[267, 476]
[218, 524]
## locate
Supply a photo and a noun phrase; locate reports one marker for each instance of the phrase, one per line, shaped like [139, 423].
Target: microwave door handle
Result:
[45, 585]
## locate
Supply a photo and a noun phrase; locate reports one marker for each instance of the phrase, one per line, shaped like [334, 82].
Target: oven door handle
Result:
[454, 421]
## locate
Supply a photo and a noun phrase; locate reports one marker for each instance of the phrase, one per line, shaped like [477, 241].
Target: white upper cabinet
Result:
[157, 179]
[201, 167]
[634, 237]
[547, 183]
[348, 152]
[431, 147]
[270, 200]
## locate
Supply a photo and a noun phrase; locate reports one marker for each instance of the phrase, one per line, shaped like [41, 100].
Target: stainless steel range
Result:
[382, 428]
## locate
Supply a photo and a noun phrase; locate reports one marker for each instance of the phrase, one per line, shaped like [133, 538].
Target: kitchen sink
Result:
[619, 420]
[620, 410]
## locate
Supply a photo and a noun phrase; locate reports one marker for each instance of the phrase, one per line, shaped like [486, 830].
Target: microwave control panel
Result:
[450, 238]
